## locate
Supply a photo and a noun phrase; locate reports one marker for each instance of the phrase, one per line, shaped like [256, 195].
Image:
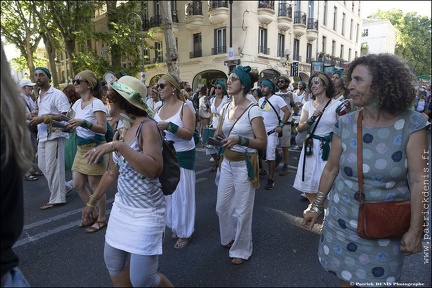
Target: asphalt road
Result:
[54, 252]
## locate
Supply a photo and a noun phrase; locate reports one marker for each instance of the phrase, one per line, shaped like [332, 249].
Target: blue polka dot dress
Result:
[341, 251]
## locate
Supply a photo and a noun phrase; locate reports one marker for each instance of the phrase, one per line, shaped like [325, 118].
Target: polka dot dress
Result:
[341, 251]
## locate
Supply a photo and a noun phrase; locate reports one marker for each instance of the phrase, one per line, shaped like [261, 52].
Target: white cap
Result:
[26, 82]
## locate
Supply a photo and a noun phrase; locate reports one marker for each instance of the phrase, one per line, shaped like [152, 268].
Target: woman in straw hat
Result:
[177, 120]
[139, 207]
[88, 118]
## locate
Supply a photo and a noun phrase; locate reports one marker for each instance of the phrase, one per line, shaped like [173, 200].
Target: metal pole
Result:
[231, 68]
[134, 23]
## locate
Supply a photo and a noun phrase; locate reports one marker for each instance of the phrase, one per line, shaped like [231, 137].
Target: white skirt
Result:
[136, 230]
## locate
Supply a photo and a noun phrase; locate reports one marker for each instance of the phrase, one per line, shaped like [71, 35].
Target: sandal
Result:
[182, 242]
[94, 219]
[174, 235]
[229, 245]
[51, 205]
[36, 173]
[99, 226]
[29, 177]
[238, 261]
[214, 168]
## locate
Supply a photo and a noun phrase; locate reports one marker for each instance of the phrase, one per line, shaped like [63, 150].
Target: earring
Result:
[375, 103]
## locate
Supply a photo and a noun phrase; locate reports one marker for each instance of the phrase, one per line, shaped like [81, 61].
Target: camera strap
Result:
[310, 137]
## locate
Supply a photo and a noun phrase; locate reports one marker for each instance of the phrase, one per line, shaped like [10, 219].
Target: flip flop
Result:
[51, 205]
[182, 242]
[100, 226]
[229, 245]
[30, 178]
[36, 173]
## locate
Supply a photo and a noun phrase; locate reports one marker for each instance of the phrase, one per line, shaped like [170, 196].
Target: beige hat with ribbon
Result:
[134, 91]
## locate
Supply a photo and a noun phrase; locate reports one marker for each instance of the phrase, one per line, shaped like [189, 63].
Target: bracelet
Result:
[91, 206]
[91, 197]
[282, 124]
[311, 120]
[292, 104]
[173, 128]
[318, 203]
[243, 141]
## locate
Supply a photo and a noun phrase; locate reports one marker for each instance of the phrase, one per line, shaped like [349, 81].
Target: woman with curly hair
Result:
[393, 155]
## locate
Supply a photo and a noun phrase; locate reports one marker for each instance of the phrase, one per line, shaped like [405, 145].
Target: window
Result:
[296, 49]
[349, 54]
[158, 52]
[325, 13]
[324, 41]
[308, 53]
[281, 45]
[352, 9]
[262, 48]
[197, 48]
[351, 28]
[342, 52]
[311, 9]
[365, 33]
[220, 41]
[343, 24]
[333, 48]
[334, 18]
[357, 33]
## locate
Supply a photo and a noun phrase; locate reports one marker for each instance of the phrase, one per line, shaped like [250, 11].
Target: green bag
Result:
[70, 149]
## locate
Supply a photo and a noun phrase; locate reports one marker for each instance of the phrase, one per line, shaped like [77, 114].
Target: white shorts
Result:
[272, 142]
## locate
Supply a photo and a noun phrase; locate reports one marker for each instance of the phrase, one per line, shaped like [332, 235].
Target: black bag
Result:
[170, 175]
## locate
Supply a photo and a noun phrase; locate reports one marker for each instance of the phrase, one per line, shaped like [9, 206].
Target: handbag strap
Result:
[360, 156]
[247, 109]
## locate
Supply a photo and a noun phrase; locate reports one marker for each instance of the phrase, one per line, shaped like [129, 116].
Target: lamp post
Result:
[133, 22]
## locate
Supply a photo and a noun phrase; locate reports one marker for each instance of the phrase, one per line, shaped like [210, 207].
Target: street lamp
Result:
[133, 22]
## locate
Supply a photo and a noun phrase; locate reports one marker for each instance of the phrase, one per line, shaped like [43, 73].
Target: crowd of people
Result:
[250, 126]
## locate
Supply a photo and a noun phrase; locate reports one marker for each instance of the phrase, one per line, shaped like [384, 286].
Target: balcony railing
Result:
[218, 50]
[266, 4]
[300, 17]
[217, 4]
[285, 10]
[264, 50]
[309, 60]
[312, 24]
[195, 54]
[194, 8]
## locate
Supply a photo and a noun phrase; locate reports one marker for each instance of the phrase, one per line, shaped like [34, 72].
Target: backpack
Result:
[170, 175]
[109, 135]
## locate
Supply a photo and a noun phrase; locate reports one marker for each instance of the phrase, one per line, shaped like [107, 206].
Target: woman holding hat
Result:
[216, 104]
[177, 120]
[88, 118]
[242, 125]
[133, 240]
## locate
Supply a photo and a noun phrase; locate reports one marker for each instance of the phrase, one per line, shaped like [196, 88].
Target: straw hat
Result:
[134, 91]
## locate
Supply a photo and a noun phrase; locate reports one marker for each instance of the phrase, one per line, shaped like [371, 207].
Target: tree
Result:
[172, 53]
[20, 27]
[413, 40]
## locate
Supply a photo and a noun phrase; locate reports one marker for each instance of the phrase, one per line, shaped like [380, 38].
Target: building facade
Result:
[379, 35]
[273, 37]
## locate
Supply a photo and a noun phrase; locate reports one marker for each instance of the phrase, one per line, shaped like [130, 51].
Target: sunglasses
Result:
[78, 81]
[264, 104]
[233, 78]
[218, 87]
[280, 81]
[161, 86]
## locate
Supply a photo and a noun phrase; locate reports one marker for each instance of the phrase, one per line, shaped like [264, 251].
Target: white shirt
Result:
[88, 113]
[271, 120]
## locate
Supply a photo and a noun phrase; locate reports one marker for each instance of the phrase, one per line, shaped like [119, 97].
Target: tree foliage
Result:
[413, 40]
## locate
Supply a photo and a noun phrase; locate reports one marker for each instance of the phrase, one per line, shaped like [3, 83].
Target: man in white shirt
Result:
[272, 107]
[52, 104]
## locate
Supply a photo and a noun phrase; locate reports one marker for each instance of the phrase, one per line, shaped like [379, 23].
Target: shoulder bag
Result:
[277, 114]
[378, 220]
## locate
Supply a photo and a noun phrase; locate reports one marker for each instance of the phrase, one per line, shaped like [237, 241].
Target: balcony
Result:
[195, 54]
[284, 17]
[299, 23]
[312, 29]
[265, 12]
[218, 12]
[194, 16]
[218, 50]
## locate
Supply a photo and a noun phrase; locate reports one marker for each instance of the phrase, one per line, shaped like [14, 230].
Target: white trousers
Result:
[51, 163]
[234, 206]
[181, 207]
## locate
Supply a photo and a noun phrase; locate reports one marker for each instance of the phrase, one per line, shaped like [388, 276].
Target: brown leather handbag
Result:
[379, 220]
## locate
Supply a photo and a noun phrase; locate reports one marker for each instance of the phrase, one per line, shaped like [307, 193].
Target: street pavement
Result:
[54, 252]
